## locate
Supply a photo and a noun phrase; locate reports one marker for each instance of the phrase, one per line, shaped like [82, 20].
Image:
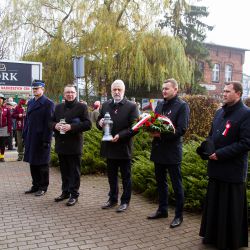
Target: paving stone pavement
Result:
[29, 222]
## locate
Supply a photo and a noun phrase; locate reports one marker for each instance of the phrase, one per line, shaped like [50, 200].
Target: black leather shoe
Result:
[122, 208]
[158, 214]
[40, 193]
[30, 191]
[109, 204]
[176, 222]
[71, 201]
[62, 197]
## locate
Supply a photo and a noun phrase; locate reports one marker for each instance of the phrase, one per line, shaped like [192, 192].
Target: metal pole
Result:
[77, 87]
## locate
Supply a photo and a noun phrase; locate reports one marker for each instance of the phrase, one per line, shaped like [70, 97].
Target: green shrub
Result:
[143, 177]
[92, 163]
[141, 144]
[193, 173]
[54, 162]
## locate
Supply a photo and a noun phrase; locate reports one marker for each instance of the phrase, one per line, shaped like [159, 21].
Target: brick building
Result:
[227, 65]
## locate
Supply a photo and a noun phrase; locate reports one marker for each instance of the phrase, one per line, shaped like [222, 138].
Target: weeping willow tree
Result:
[56, 57]
[144, 60]
[50, 31]
[117, 39]
[155, 57]
[140, 58]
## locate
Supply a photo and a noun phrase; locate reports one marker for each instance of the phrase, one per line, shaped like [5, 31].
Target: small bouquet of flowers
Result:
[153, 122]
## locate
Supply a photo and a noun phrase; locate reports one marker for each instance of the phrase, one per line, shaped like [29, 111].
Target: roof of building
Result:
[224, 46]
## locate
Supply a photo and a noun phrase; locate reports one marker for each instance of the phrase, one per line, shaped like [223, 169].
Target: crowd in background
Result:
[12, 116]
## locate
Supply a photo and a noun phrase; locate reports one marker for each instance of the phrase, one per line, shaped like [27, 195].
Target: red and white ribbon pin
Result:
[228, 126]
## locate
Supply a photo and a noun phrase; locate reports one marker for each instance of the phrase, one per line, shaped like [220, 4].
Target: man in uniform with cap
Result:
[37, 138]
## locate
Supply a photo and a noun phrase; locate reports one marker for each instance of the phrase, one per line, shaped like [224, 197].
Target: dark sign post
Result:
[78, 67]
[16, 76]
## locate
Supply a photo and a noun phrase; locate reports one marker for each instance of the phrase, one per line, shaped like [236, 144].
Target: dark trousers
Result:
[2, 144]
[125, 169]
[162, 185]
[40, 176]
[70, 166]
[10, 141]
[19, 141]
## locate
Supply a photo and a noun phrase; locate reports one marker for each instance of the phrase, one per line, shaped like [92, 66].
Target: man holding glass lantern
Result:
[117, 150]
[70, 119]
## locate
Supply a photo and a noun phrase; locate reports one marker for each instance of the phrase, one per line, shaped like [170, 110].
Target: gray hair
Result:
[118, 82]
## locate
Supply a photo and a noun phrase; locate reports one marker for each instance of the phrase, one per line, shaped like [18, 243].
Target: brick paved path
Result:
[29, 222]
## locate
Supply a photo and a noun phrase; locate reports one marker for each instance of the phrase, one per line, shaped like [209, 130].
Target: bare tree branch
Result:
[122, 12]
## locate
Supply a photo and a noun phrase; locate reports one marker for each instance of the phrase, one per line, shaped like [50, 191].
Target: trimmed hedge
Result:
[193, 174]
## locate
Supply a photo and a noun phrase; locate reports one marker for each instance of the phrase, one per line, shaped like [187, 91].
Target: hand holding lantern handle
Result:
[62, 122]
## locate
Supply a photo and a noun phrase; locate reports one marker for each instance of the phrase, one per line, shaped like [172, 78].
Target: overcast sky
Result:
[231, 25]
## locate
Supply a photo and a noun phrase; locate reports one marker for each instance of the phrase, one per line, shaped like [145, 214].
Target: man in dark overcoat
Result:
[37, 138]
[166, 151]
[224, 220]
[69, 142]
[118, 151]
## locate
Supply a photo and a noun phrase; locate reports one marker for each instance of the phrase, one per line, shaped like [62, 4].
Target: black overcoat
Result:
[230, 134]
[123, 115]
[168, 148]
[75, 114]
[36, 132]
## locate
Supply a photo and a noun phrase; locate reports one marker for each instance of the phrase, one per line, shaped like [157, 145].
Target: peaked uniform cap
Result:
[38, 84]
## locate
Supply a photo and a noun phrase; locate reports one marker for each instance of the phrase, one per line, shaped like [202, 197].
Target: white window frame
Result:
[216, 73]
[228, 72]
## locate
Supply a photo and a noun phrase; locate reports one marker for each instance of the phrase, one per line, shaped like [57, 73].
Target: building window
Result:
[228, 72]
[216, 73]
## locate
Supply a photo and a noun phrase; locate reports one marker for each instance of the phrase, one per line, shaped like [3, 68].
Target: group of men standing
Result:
[227, 165]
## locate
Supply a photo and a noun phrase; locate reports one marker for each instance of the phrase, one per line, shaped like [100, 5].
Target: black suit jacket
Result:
[77, 116]
[168, 148]
[123, 116]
